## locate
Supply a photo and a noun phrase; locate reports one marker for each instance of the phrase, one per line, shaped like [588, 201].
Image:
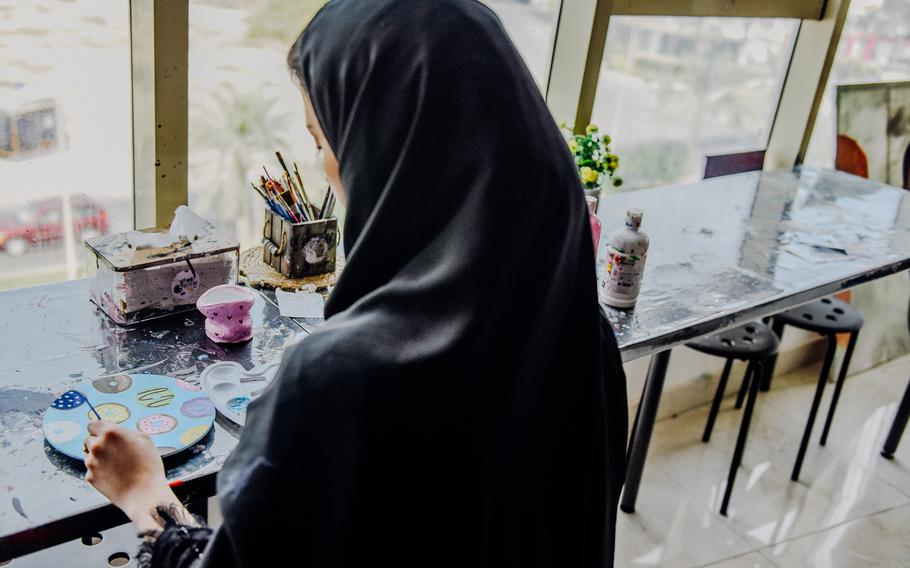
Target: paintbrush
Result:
[298, 201]
[283, 197]
[286, 196]
[89, 404]
[330, 207]
[299, 191]
[268, 186]
[325, 202]
[268, 202]
[303, 191]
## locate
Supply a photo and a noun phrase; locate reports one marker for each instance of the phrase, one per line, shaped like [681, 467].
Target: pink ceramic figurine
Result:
[227, 312]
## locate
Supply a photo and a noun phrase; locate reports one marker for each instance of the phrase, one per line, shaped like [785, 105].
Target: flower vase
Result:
[595, 192]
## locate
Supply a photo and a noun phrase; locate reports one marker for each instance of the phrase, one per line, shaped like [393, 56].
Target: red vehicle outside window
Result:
[40, 223]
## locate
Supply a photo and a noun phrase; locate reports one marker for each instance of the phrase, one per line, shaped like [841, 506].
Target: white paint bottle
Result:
[627, 251]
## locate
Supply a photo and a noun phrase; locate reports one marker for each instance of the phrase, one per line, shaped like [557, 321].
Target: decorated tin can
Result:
[627, 251]
[299, 249]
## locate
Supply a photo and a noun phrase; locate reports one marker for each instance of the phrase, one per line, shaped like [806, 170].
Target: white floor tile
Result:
[877, 541]
[836, 513]
[751, 560]
[667, 525]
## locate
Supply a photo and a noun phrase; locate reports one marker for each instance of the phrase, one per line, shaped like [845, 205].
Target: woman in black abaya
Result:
[464, 404]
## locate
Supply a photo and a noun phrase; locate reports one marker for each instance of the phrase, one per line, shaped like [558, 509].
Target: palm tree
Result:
[232, 133]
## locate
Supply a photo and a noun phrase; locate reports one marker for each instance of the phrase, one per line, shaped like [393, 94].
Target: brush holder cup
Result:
[299, 249]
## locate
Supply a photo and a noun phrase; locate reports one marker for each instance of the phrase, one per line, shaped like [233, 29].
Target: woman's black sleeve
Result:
[178, 544]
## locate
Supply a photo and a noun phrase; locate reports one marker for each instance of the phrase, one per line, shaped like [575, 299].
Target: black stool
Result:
[828, 316]
[753, 342]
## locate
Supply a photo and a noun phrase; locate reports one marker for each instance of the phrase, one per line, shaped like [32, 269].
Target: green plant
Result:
[595, 162]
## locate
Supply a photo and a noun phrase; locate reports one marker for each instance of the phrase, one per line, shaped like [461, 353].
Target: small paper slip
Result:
[300, 304]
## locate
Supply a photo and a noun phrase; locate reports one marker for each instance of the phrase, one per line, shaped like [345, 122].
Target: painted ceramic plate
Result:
[174, 413]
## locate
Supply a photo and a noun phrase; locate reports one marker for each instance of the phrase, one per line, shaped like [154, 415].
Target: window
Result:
[530, 24]
[673, 90]
[65, 134]
[243, 107]
[874, 46]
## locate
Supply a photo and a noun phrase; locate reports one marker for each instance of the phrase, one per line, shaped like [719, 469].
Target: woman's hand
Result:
[125, 467]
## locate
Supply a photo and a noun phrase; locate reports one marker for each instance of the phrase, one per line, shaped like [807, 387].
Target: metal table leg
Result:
[644, 426]
[777, 326]
[897, 428]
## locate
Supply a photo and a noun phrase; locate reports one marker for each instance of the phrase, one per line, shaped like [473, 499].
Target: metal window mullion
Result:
[159, 43]
[804, 86]
[578, 47]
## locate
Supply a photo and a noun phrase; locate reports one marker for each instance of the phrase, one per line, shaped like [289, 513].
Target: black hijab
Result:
[464, 405]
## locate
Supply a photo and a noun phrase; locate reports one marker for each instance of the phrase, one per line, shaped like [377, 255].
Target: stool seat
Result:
[747, 342]
[828, 315]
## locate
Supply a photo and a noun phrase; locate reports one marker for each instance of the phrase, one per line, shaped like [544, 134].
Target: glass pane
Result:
[243, 107]
[674, 90]
[65, 141]
[530, 24]
[872, 49]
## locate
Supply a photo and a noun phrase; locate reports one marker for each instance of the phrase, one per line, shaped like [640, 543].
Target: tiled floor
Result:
[851, 507]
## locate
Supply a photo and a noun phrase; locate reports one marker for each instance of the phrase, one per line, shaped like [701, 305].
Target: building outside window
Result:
[673, 90]
[874, 47]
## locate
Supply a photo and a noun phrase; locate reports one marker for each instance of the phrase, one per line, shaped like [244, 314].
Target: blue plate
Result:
[174, 413]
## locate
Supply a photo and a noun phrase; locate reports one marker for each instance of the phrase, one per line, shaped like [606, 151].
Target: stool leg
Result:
[715, 404]
[743, 388]
[841, 376]
[755, 368]
[897, 427]
[777, 327]
[822, 378]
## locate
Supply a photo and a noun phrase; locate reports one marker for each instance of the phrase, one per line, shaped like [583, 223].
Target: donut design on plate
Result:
[187, 386]
[155, 397]
[198, 407]
[61, 431]
[111, 412]
[113, 385]
[69, 400]
[194, 434]
[156, 424]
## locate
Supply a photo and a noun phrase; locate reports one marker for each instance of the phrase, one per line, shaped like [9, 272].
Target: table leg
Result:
[644, 426]
[897, 427]
[777, 326]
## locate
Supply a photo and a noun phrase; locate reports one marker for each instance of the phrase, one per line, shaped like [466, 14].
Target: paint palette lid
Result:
[232, 387]
[174, 413]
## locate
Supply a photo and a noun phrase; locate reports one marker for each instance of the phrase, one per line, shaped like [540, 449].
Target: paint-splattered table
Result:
[733, 249]
[52, 339]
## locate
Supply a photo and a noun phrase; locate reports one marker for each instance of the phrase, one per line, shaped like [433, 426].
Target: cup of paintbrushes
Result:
[298, 238]
[299, 249]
